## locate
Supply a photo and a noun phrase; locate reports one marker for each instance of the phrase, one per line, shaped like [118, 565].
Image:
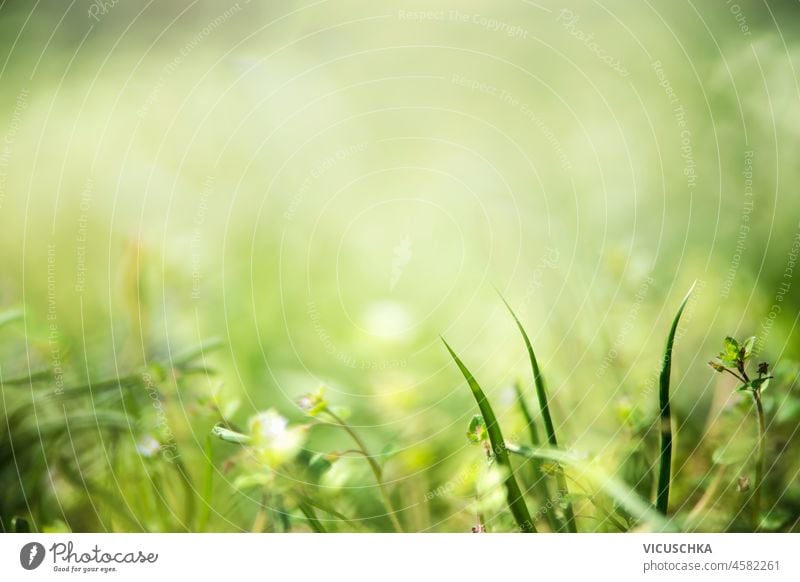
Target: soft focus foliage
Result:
[329, 187]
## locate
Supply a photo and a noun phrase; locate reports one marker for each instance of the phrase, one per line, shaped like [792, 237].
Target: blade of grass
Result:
[541, 479]
[311, 517]
[208, 485]
[516, 503]
[186, 356]
[639, 508]
[665, 422]
[10, 316]
[544, 405]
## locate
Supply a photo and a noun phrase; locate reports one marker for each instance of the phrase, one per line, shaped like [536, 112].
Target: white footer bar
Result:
[409, 557]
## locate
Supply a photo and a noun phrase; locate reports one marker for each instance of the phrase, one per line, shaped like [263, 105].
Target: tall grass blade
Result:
[541, 479]
[516, 503]
[665, 418]
[544, 405]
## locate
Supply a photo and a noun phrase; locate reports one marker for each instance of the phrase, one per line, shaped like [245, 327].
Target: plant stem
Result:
[708, 495]
[762, 449]
[377, 471]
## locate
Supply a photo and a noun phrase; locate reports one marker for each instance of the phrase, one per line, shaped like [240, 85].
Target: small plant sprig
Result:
[316, 406]
[734, 360]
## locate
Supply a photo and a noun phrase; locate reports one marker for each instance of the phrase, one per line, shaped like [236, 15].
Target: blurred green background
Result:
[329, 186]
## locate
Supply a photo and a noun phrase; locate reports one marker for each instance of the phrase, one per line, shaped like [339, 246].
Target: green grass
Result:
[540, 483]
[665, 415]
[544, 405]
[285, 484]
[516, 502]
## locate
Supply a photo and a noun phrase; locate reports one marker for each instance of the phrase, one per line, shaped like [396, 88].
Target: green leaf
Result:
[757, 384]
[516, 502]
[730, 353]
[252, 480]
[230, 436]
[476, 433]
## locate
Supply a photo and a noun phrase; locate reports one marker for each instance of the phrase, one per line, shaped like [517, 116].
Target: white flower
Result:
[273, 440]
[148, 446]
[268, 426]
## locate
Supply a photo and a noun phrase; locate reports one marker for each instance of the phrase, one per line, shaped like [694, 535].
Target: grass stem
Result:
[377, 471]
[760, 458]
